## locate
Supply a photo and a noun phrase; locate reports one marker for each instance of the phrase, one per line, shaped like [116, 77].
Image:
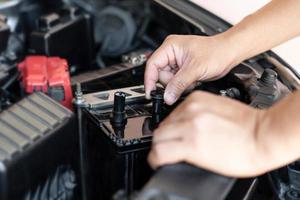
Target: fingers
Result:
[168, 132]
[181, 81]
[167, 153]
[150, 79]
[169, 145]
[167, 64]
[161, 58]
[165, 76]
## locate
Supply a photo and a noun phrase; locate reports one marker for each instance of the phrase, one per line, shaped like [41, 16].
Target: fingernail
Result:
[147, 95]
[170, 98]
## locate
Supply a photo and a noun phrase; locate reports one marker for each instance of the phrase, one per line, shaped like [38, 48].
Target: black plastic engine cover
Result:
[4, 33]
[68, 34]
[39, 151]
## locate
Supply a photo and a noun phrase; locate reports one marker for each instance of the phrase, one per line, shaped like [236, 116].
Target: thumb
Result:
[177, 85]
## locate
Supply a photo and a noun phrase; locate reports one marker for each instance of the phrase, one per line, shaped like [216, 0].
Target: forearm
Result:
[278, 135]
[270, 26]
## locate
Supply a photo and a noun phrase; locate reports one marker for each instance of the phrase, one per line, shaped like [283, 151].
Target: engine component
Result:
[119, 118]
[10, 46]
[38, 150]
[105, 99]
[233, 93]
[137, 58]
[118, 35]
[285, 181]
[5, 69]
[102, 73]
[8, 77]
[48, 75]
[294, 181]
[4, 33]
[262, 90]
[60, 34]
[268, 77]
[10, 10]
[62, 185]
[266, 90]
[131, 61]
[157, 97]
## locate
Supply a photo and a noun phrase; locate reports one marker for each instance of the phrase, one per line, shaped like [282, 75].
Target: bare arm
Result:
[270, 26]
[275, 23]
[279, 133]
[233, 140]
[182, 60]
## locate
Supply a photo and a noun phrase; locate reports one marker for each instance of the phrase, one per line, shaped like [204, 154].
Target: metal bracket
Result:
[105, 99]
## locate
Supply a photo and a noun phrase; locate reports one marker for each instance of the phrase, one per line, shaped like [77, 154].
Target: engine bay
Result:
[74, 120]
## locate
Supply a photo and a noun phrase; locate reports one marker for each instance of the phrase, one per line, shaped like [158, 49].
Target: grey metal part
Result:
[59, 186]
[102, 73]
[130, 61]
[11, 9]
[27, 121]
[137, 58]
[105, 99]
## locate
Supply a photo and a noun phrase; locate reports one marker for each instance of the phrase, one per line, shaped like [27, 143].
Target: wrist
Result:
[239, 41]
[259, 157]
[266, 144]
[231, 53]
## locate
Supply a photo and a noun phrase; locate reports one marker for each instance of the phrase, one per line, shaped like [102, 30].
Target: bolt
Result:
[78, 89]
[233, 93]
[268, 77]
[292, 195]
[223, 93]
[79, 100]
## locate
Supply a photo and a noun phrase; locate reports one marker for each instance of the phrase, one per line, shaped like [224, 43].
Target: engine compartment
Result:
[89, 56]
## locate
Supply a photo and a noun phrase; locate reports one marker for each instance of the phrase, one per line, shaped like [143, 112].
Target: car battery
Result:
[39, 151]
[67, 34]
[118, 127]
[48, 75]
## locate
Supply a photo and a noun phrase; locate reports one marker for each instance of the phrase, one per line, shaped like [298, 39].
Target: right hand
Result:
[182, 60]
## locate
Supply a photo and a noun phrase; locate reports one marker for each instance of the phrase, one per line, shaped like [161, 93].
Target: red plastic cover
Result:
[49, 75]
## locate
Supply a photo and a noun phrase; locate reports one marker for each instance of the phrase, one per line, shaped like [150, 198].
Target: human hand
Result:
[212, 132]
[182, 60]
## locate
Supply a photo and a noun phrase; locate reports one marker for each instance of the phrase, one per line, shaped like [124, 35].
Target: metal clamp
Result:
[105, 99]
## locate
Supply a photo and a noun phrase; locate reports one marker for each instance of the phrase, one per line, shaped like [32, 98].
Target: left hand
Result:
[212, 132]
